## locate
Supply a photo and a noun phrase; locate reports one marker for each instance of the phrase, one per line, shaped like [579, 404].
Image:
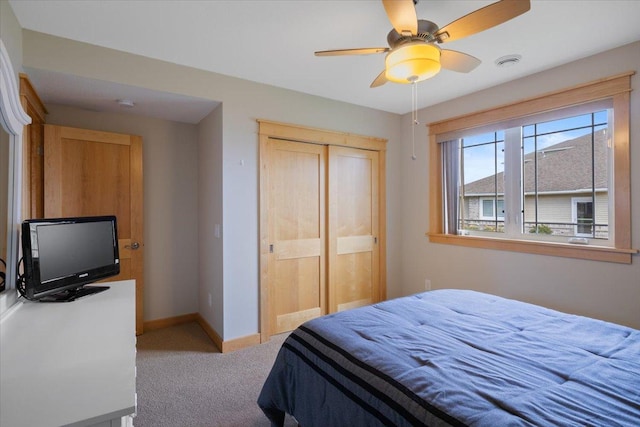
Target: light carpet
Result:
[184, 381]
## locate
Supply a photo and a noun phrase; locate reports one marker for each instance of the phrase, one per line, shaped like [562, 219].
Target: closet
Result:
[322, 224]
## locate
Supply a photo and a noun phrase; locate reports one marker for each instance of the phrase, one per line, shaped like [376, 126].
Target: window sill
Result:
[589, 252]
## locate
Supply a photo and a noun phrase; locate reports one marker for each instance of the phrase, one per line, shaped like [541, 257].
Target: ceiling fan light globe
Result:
[412, 62]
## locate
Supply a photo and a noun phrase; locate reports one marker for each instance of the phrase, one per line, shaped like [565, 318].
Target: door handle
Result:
[133, 246]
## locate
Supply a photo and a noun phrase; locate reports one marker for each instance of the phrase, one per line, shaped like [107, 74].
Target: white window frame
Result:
[615, 89]
[574, 214]
[498, 216]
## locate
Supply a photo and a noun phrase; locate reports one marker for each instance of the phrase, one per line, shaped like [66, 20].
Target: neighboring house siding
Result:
[551, 208]
[602, 208]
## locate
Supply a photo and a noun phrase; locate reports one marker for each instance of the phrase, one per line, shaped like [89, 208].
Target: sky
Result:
[480, 157]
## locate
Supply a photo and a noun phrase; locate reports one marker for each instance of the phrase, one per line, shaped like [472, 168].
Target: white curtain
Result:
[450, 184]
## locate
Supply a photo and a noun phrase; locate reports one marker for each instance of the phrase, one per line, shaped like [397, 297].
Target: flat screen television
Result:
[62, 255]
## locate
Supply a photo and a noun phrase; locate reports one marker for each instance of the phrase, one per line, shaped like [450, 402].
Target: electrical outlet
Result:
[210, 301]
[427, 284]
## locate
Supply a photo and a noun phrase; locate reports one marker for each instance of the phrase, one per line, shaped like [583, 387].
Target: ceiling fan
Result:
[413, 54]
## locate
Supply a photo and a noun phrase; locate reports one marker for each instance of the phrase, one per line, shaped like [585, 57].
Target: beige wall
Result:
[242, 103]
[170, 173]
[210, 194]
[598, 289]
[11, 35]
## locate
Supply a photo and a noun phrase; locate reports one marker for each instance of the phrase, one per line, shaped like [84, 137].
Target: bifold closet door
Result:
[353, 225]
[296, 223]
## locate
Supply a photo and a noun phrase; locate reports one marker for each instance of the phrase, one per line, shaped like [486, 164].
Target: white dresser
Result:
[70, 364]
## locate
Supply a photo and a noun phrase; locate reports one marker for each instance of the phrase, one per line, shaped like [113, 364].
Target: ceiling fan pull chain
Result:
[414, 117]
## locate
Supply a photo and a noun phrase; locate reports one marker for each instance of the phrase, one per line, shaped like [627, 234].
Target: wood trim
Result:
[331, 238]
[265, 328]
[435, 187]
[137, 225]
[586, 92]
[230, 345]
[320, 136]
[595, 253]
[29, 94]
[152, 325]
[93, 135]
[382, 227]
[33, 159]
[622, 171]
[217, 341]
[240, 343]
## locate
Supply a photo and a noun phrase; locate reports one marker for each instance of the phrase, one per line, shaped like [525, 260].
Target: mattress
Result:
[456, 358]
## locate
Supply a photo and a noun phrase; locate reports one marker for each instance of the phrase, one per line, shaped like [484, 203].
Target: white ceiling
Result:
[272, 42]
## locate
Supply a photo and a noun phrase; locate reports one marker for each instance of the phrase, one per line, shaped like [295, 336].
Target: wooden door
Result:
[353, 198]
[296, 230]
[89, 173]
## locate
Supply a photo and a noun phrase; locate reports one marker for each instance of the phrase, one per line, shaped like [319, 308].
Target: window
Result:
[557, 168]
[491, 209]
[539, 179]
[582, 216]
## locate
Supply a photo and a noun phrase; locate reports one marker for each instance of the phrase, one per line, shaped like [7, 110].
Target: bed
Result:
[455, 358]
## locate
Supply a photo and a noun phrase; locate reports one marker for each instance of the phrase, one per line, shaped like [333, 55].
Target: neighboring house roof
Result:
[563, 167]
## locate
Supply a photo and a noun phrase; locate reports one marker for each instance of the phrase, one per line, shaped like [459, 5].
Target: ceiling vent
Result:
[508, 60]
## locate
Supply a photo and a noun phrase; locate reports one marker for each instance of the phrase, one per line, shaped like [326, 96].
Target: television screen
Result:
[61, 255]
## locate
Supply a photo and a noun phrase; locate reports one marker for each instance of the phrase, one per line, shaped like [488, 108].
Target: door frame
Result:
[290, 132]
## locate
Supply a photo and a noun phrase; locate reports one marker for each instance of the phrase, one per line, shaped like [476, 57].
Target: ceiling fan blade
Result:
[361, 51]
[458, 61]
[380, 80]
[402, 14]
[482, 19]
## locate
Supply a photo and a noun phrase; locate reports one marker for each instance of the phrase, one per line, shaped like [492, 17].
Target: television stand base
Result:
[73, 294]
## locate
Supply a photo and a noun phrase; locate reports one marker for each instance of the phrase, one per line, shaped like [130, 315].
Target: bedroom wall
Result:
[210, 247]
[243, 102]
[598, 289]
[170, 173]
[11, 35]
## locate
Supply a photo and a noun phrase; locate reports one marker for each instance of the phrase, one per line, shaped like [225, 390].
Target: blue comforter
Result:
[456, 358]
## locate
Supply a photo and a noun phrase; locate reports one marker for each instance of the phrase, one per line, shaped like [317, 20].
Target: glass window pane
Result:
[484, 138]
[584, 213]
[528, 130]
[601, 117]
[500, 209]
[564, 124]
[482, 174]
[487, 208]
[560, 166]
[479, 162]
